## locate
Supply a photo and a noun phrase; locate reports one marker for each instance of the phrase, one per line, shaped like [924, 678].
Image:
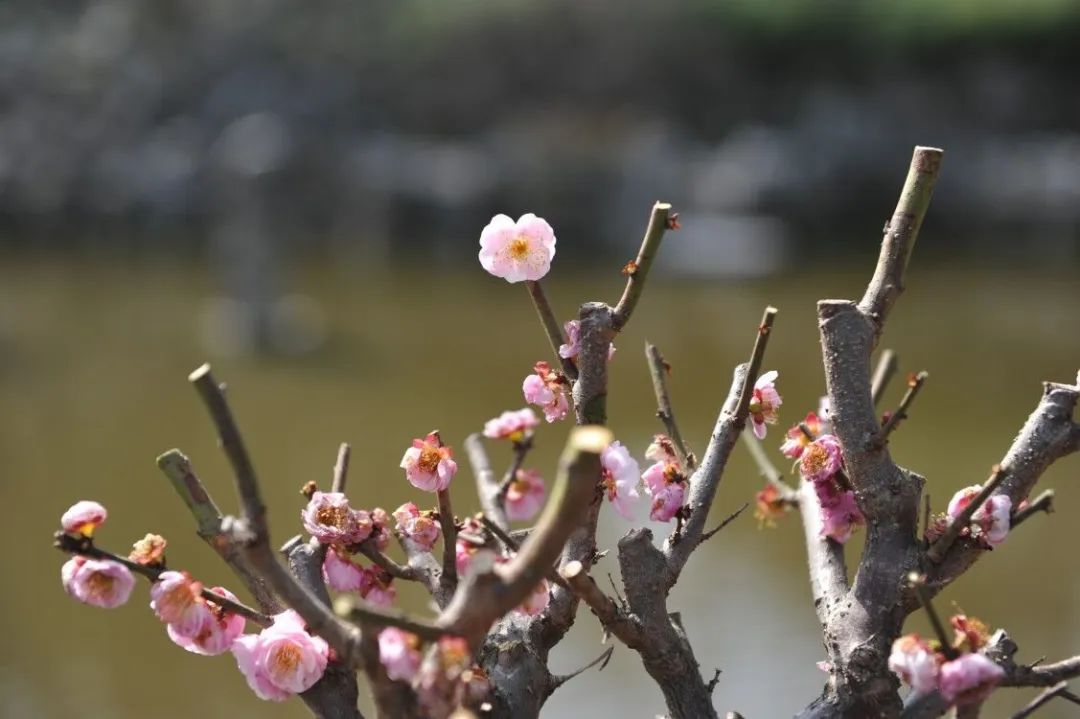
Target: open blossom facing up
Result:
[765, 403]
[429, 464]
[283, 659]
[546, 388]
[517, 251]
[83, 518]
[572, 348]
[991, 521]
[511, 425]
[915, 662]
[329, 518]
[619, 477]
[342, 574]
[537, 600]
[177, 600]
[420, 529]
[525, 495]
[217, 632]
[98, 582]
[820, 460]
[399, 652]
[796, 440]
[149, 550]
[969, 678]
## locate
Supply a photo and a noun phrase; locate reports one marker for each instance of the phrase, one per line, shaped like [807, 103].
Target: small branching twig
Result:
[915, 383]
[1061, 689]
[886, 367]
[521, 450]
[658, 370]
[938, 549]
[551, 326]
[638, 271]
[706, 536]
[711, 686]
[341, 469]
[602, 660]
[1042, 503]
[918, 583]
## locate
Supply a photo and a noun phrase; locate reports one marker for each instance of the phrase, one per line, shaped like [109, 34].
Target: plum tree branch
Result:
[658, 371]
[638, 271]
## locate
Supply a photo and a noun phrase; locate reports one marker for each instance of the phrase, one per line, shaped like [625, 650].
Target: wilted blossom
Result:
[971, 633]
[428, 464]
[840, 515]
[342, 574]
[915, 662]
[283, 659]
[619, 478]
[537, 600]
[546, 388]
[329, 518]
[511, 425]
[765, 403]
[662, 449]
[969, 678]
[83, 518]
[572, 348]
[378, 587]
[466, 553]
[220, 628]
[399, 652]
[796, 440]
[991, 521]
[416, 528]
[517, 251]
[770, 505]
[380, 528]
[177, 600]
[820, 459]
[149, 550]
[525, 495]
[98, 582]
[667, 485]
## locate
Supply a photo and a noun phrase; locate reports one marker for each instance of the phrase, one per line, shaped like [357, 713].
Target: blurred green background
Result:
[295, 193]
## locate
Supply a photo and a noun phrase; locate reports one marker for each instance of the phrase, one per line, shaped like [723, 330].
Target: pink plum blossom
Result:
[765, 403]
[511, 425]
[796, 440]
[283, 659]
[525, 495]
[378, 587]
[149, 550]
[380, 528]
[428, 464]
[546, 388]
[572, 347]
[342, 574]
[820, 460]
[667, 501]
[517, 251]
[619, 477]
[217, 633]
[667, 485]
[991, 521]
[969, 678]
[98, 582]
[177, 600]
[83, 518]
[537, 600]
[840, 516]
[416, 528]
[399, 652]
[915, 662]
[329, 518]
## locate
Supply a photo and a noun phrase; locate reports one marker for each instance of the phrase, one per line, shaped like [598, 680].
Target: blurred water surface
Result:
[93, 361]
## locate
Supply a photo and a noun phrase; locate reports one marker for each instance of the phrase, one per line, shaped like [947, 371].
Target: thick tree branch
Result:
[638, 271]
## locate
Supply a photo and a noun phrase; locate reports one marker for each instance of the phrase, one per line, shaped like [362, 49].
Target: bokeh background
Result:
[294, 191]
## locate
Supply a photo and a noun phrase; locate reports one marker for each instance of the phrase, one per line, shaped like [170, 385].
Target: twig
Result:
[449, 577]
[513, 546]
[926, 514]
[918, 583]
[637, 273]
[727, 520]
[341, 468]
[551, 326]
[658, 370]
[938, 549]
[487, 486]
[602, 660]
[376, 555]
[1061, 689]
[711, 686]
[247, 485]
[208, 520]
[611, 615]
[85, 548]
[883, 372]
[521, 450]
[1042, 503]
[768, 470]
[915, 383]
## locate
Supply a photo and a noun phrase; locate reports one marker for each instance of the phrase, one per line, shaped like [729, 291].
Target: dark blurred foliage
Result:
[395, 126]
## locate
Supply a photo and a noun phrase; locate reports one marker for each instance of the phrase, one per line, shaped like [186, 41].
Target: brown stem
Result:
[658, 371]
[886, 367]
[915, 384]
[449, 577]
[638, 271]
[551, 326]
[341, 469]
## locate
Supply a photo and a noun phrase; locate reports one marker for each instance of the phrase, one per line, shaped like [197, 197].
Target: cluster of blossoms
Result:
[989, 524]
[282, 660]
[444, 679]
[547, 388]
[665, 479]
[962, 675]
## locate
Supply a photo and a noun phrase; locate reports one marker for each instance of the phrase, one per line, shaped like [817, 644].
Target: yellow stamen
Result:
[518, 249]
